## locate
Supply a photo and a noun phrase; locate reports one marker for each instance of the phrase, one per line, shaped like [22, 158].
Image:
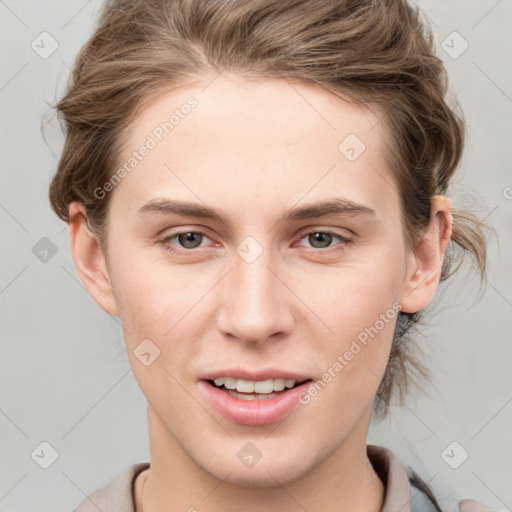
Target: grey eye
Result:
[323, 239]
[189, 240]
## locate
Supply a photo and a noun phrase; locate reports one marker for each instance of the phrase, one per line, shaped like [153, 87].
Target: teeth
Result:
[250, 386]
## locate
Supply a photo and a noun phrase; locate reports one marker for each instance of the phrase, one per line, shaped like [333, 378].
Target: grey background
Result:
[65, 377]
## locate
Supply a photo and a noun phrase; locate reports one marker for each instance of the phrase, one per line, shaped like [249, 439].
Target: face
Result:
[274, 284]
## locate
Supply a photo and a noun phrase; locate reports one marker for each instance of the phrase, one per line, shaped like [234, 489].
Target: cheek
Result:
[160, 336]
[151, 296]
[353, 295]
[353, 361]
[169, 304]
[359, 304]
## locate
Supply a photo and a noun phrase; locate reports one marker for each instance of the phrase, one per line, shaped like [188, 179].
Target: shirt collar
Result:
[396, 482]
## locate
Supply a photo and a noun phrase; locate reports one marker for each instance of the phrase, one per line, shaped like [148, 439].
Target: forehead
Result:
[260, 138]
[270, 110]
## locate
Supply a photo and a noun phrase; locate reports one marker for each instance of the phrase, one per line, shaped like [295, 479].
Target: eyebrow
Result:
[333, 206]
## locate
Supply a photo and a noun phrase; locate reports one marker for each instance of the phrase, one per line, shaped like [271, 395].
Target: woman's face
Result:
[279, 286]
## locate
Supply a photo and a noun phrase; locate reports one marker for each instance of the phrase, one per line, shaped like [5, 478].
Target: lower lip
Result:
[253, 412]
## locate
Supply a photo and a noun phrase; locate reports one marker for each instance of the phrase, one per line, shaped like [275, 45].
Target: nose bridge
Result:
[255, 305]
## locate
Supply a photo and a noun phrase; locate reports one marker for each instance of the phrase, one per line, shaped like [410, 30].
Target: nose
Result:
[257, 303]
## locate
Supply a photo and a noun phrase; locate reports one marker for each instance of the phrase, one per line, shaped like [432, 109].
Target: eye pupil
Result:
[186, 238]
[321, 237]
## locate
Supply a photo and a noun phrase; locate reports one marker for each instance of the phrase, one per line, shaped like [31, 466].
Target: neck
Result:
[344, 481]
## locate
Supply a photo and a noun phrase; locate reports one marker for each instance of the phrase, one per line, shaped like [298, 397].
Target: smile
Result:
[253, 402]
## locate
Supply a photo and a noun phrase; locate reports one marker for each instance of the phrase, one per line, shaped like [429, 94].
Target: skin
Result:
[253, 151]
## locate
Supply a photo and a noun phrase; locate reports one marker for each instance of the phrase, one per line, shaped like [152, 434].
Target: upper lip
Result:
[269, 373]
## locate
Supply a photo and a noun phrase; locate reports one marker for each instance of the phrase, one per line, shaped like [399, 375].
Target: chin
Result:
[261, 478]
[272, 472]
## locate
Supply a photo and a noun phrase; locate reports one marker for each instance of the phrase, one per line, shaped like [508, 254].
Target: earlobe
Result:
[90, 260]
[425, 261]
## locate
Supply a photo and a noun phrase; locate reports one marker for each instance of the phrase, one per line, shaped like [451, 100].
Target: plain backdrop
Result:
[65, 378]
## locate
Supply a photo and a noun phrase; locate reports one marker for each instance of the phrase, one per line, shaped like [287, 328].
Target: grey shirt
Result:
[401, 496]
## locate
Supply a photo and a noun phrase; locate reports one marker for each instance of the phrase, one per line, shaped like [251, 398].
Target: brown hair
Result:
[372, 52]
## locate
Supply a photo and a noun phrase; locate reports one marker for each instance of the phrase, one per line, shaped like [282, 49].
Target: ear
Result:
[90, 260]
[425, 260]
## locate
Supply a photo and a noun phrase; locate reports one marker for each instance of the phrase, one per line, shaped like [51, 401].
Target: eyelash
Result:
[165, 241]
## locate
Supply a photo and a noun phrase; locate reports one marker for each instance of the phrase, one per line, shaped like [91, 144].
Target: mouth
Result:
[255, 390]
[253, 402]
